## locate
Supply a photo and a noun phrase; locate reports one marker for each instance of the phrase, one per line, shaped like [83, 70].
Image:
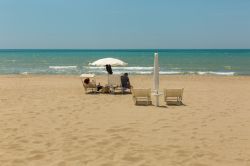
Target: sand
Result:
[49, 120]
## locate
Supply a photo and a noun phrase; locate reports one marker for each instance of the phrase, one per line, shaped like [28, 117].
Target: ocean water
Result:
[172, 61]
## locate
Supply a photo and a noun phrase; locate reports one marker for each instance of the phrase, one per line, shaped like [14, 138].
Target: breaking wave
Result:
[216, 73]
[63, 67]
[149, 70]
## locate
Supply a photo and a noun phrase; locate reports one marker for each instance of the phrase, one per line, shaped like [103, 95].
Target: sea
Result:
[222, 62]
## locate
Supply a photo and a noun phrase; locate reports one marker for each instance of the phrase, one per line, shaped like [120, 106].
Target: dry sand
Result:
[49, 120]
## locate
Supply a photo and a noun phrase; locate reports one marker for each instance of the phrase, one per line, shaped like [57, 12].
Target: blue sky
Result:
[124, 24]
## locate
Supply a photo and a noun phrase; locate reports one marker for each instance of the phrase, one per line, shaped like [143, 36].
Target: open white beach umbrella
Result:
[108, 61]
[156, 79]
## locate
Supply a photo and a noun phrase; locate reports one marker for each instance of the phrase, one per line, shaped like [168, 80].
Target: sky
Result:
[121, 24]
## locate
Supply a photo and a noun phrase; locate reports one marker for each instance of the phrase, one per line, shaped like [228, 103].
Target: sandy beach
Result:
[49, 120]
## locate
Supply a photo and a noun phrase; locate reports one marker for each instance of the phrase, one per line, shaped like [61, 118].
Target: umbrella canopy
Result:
[156, 79]
[108, 61]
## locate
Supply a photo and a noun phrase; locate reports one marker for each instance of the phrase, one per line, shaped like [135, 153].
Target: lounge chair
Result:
[142, 96]
[91, 87]
[173, 95]
[114, 82]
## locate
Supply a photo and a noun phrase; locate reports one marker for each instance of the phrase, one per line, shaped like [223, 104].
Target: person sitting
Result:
[92, 84]
[99, 87]
[125, 81]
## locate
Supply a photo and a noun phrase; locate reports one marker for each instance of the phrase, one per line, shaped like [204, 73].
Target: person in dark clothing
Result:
[125, 81]
[109, 69]
[99, 87]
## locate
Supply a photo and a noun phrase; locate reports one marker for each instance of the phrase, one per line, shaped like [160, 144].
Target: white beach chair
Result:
[91, 87]
[142, 96]
[173, 95]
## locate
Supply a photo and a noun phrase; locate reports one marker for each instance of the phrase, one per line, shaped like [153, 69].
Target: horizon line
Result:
[125, 49]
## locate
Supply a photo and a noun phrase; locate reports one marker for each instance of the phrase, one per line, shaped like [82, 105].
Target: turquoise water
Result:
[200, 62]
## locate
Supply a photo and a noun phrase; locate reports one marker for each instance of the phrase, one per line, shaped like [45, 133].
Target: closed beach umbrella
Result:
[108, 61]
[156, 79]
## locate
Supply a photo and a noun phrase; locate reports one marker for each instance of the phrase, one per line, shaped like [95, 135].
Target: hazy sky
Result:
[124, 24]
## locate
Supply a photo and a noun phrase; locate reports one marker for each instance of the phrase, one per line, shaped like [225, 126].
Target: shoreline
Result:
[133, 75]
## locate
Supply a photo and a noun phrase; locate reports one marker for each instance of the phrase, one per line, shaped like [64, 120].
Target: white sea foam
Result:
[170, 72]
[144, 72]
[121, 68]
[62, 67]
[149, 70]
[223, 73]
[134, 68]
[202, 73]
[24, 73]
[216, 73]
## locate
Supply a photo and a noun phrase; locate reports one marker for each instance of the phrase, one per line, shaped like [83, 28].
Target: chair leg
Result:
[179, 100]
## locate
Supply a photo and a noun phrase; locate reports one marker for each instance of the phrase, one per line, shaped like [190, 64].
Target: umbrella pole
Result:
[108, 78]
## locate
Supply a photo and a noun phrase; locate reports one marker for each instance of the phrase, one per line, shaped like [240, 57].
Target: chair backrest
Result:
[173, 92]
[141, 93]
[114, 80]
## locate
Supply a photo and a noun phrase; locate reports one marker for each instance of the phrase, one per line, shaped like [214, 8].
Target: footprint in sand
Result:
[11, 129]
[36, 142]
[113, 130]
[107, 164]
[155, 130]
[92, 128]
[18, 162]
[61, 163]
[132, 123]
[82, 142]
[165, 126]
[118, 145]
[160, 120]
[183, 153]
[36, 157]
[133, 157]
[24, 141]
[104, 142]
[199, 164]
